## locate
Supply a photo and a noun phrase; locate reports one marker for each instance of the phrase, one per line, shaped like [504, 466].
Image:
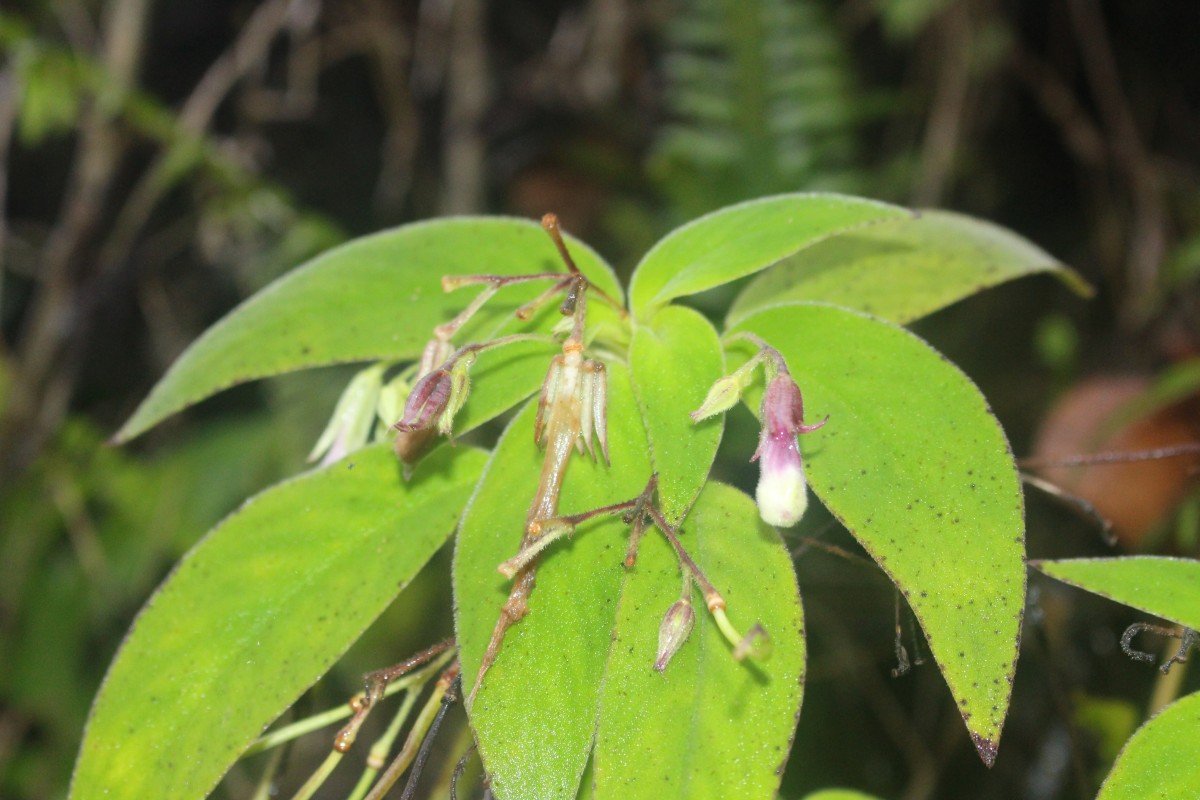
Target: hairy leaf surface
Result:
[375, 298]
[535, 714]
[256, 612]
[674, 361]
[1159, 760]
[708, 726]
[1162, 586]
[903, 269]
[742, 239]
[915, 465]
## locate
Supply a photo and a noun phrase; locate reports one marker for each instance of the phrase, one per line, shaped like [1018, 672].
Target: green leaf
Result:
[375, 298]
[708, 726]
[256, 612]
[501, 378]
[674, 360]
[1160, 758]
[535, 714]
[1165, 587]
[839, 794]
[741, 239]
[913, 463]
[903, 269]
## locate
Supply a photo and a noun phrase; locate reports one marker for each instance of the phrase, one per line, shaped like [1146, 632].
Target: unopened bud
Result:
[392, 397]
[353, 417]
[723, 395]
[676, 627]
[427, 400]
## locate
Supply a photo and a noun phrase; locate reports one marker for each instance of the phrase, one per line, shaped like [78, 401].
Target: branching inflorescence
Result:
[572, 417]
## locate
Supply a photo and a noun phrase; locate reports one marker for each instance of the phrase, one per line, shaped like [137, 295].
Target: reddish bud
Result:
[676, 627]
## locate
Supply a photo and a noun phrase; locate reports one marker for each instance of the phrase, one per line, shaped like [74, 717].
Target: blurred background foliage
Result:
[161, 161]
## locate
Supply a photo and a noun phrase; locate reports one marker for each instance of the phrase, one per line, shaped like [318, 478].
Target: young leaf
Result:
[913, 463]
[741, 239]
[256, 612]
[1159, 760]
[708, 726]
[839, 794]
[375, 298]
[535, 714]
[1165, 587]
[674, 360]
[903, 269]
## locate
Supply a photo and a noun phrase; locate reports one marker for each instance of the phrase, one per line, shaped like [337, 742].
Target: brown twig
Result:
[1110, 457]
[43, 375]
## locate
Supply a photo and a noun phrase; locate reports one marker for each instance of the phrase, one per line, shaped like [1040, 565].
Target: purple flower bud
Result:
[675, 629]
[427, 400]
[782, 491]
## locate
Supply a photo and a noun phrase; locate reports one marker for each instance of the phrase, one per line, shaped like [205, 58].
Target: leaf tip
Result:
[986, 748]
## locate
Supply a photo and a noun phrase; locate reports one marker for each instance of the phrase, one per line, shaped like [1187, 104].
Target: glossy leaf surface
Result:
[915, 465]
[375, 298]
[256, 612]
[1165, 587]
[708, 726]
[674, 360]
[741, 239]
[903, 269]
[1159, 761]
[535, 714]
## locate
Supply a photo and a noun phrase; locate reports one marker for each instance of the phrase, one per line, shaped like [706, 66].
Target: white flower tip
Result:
[782, 496]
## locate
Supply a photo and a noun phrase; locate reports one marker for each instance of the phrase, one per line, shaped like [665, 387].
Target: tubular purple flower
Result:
[782, 491]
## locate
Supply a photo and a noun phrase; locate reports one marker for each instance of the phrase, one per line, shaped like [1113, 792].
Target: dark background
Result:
[160, 161]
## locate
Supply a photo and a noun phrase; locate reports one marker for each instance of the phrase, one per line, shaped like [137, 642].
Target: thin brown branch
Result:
[463, 166]
[9, 96]
[1109, 457]
[247, 52]
[943, 132]
[44, 374]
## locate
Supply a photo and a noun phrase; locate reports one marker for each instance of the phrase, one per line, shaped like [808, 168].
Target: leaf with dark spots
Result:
[389, 284]
[708, 726]
[189, 690]
[1163, 586]
[972, 575]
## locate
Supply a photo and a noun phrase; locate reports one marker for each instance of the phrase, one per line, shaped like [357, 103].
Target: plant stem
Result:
[383, 745]
[424, 720]
[309, 724]
[317, 778]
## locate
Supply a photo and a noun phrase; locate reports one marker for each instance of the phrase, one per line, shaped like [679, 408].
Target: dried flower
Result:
[575, 389]
[353, 417]
[674, 631]
[782, 491]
